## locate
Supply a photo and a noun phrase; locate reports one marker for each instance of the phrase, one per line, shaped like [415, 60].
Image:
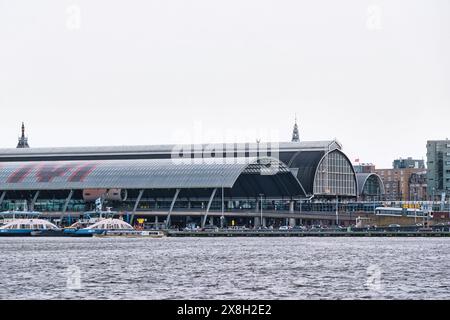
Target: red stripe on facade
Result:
[48, 172]
[20, 174]
[82, 172]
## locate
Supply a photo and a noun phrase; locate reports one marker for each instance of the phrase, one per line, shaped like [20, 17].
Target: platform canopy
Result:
[249, 176]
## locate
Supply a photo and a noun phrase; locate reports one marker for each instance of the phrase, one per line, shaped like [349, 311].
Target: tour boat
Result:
[30, 227]
[89, 219]
[103, 226]
[131, 234]
[10, 216]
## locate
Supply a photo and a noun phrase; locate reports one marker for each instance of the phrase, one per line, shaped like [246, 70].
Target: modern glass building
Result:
[408, 163]
[438, 163]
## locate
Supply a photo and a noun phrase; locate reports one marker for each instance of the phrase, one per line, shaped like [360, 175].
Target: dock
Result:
[257, 233]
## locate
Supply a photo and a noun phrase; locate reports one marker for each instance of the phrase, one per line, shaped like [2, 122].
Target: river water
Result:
[225, 268]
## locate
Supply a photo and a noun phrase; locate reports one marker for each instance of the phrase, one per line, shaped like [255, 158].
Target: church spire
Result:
[23, 140]
[295, 133]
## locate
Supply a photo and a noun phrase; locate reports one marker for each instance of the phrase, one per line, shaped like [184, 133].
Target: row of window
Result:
[335, 176]
[29, 227]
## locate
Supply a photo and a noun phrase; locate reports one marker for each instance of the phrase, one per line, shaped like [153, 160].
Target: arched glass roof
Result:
[370, 184]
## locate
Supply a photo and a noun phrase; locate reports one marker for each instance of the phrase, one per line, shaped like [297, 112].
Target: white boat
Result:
[30, 227]
[10, 216]
[88, 220]
[105, 225]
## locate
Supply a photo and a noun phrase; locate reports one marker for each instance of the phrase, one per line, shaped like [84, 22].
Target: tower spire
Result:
[23, 140]
[295, 133]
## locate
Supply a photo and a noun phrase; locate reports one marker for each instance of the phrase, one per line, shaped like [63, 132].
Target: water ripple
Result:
[226, 268]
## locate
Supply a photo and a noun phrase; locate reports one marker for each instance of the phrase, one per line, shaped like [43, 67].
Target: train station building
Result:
[179, 184]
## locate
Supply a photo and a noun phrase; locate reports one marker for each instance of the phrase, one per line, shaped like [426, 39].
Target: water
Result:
[225, 268]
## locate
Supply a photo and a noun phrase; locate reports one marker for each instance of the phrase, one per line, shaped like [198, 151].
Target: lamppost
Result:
[222, 217]
[375, 199]
[337, 210]
[432, 204]
[261, 209]
[415, 207]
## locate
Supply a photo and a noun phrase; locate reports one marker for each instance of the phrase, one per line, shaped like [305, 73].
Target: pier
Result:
[259, 233]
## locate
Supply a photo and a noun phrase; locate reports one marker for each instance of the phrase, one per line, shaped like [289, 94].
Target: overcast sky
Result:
[373, 74]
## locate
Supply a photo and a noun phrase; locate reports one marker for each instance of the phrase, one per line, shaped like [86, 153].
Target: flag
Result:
[98, 204]
[357, 160]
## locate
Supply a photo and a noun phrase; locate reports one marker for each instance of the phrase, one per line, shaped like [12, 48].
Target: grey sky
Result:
[373, 74]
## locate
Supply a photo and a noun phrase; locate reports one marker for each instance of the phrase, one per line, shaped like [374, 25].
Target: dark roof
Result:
[305, 164]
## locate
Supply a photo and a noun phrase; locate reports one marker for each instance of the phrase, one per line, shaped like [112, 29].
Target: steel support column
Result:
[33, 202]
[66, 204]
[138, 200]
[171, 208]
[2, 197]
[213, 194]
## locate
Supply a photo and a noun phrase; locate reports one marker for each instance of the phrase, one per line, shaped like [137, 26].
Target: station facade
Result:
[179, 183]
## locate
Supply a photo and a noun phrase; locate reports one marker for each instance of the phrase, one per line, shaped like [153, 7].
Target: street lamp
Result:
[337, 210]
[429, 212]
[261, 209]
[222, 217]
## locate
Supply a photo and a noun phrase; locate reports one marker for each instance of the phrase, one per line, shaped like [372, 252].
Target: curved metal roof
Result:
[362, 179]
[156, 151]
[304, 165]
[147, 174]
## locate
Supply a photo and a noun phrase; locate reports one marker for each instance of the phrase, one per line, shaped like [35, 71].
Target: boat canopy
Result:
[30, 224]
[111, 224]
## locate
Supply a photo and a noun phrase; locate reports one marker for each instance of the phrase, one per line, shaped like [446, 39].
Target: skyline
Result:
[372, 74]
[23, 138]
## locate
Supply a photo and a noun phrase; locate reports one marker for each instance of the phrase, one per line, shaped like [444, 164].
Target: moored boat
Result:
[10, 216]
[103, 226]
[131, 234]
[30, 228]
